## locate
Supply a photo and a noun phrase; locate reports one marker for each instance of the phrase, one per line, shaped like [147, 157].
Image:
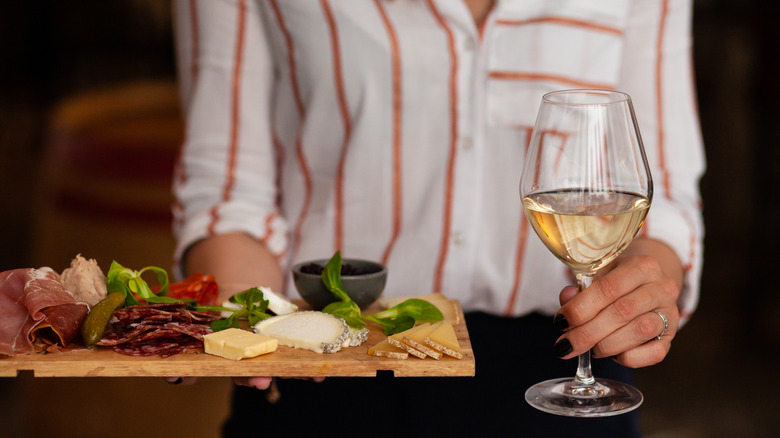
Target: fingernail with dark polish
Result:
[176, 382]
[560, 322]
[562, 347]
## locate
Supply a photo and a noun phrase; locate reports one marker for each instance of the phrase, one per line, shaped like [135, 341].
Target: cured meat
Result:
[150, 312]
[15, 321]
[163, 329]
[34, 304]
[48, 302]
[84, 280]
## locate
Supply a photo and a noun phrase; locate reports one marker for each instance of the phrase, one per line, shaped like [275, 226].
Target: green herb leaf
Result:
[331, 277]
[162, 280]
[256, 317]
[394, 320]
[253, 308]
[393, 325]
[404, 315]
[127, 281]
[222, 324]
[348, 310]
[210, 308]
[416, 308]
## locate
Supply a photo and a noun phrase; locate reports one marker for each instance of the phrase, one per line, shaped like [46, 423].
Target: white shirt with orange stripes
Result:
[396, 130]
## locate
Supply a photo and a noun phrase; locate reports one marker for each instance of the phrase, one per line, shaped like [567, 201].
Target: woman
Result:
[395, 130]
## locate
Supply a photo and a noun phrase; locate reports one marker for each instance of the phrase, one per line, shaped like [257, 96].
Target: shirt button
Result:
[466, 143]
[469, 44]
[458, 238]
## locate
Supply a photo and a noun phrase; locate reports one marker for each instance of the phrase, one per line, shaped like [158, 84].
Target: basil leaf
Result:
[399, 324]
[115, 271]
[416, 308]
[162, 279]
[404, 315]
[253, 308]
[331, 277]
[261, 306]
[139, 286]
[348, 310]
[223, 324]
[210, 308]
[393, 325]
[256, 317]
[127, 282]
[155, 299]
[394, 320]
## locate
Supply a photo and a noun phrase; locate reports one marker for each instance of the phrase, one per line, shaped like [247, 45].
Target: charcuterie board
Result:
[284, 362]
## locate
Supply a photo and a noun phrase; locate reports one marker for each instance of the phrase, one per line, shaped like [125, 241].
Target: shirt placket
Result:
[467, 172]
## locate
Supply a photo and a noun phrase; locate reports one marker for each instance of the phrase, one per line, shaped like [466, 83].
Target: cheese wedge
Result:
[397, 340]
[416, 340]
[444, 339]
[356, 337]
[310, 330]
[237, 344]
[385, 349]
[277, 303]
[447, 306]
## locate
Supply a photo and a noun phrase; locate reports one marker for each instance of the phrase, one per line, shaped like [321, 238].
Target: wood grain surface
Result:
[284, 362]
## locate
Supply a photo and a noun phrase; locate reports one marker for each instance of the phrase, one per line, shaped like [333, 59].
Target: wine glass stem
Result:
[584, 376]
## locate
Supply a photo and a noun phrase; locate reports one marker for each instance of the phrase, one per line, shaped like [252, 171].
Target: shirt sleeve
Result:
[658, 73]
[225, 178]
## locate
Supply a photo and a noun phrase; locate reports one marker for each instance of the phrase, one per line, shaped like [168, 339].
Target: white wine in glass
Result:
[586, 190]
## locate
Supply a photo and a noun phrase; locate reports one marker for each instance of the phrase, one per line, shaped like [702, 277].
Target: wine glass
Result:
[586, 189]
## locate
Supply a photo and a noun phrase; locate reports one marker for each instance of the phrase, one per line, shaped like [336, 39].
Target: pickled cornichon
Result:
[97, 319]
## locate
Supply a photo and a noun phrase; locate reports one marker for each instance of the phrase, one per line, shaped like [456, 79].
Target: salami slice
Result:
[157, 329]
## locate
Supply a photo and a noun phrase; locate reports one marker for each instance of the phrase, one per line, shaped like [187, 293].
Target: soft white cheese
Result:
[229, 305]
[316, 331]
[277, 303]
[356, 337]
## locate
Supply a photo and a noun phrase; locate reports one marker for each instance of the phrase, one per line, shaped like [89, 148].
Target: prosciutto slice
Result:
[34, 304]
[15, 321]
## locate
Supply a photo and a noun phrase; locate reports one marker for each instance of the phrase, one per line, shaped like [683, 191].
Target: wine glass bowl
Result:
[586, 189]
[586, 239]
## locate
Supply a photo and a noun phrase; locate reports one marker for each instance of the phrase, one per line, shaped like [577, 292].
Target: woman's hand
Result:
[253, 382]
[616, 316]
[238, 262]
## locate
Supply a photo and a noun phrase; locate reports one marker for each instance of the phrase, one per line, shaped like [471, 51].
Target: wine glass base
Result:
[604, 398]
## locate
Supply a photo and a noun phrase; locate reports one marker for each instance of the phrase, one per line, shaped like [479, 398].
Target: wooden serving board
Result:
[284, 362]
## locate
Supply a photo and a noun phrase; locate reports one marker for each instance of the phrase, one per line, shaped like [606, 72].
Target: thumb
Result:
[567, 294]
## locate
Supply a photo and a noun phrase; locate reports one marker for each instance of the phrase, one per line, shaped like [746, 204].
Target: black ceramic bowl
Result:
[363, 280]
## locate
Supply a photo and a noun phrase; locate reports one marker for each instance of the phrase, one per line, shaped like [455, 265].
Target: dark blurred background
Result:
[89, 127]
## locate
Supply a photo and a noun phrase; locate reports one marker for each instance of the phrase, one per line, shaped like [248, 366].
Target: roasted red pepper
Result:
[199, 287]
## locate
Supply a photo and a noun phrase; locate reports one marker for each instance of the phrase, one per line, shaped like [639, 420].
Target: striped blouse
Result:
[395, 130]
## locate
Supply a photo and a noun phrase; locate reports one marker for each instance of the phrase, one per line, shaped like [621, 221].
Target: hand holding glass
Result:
[586, 189]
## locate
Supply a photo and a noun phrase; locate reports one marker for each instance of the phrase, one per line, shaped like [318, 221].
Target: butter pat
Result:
[238, 344]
